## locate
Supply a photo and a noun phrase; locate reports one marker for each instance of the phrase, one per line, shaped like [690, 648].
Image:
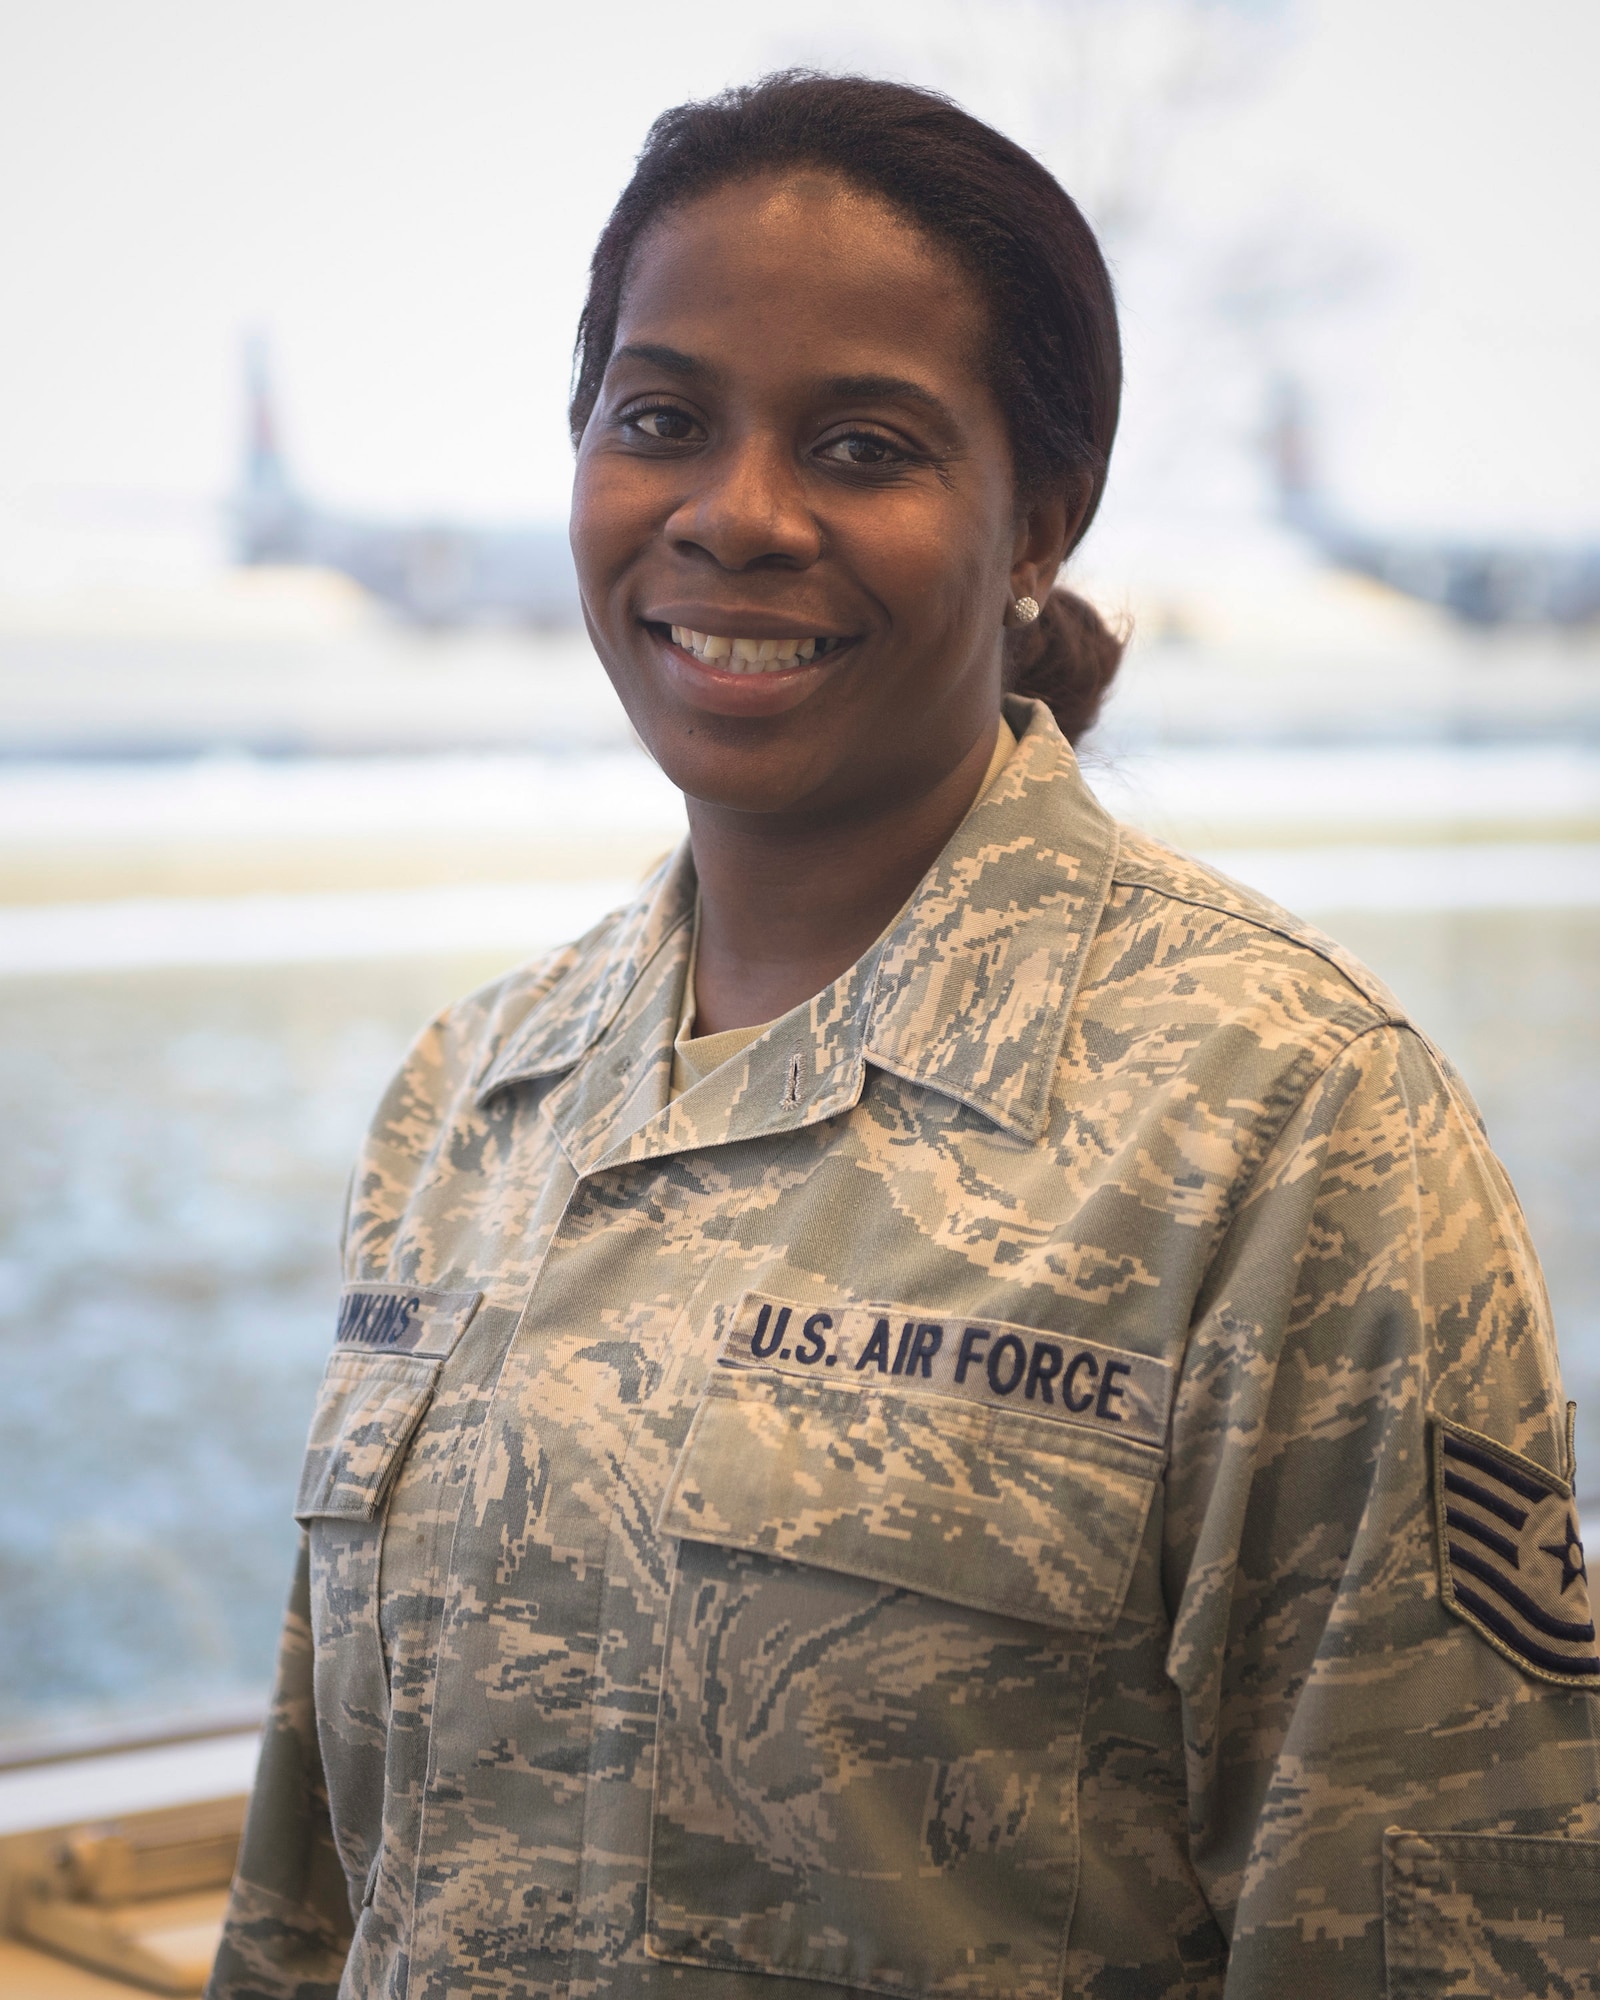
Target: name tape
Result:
[985, 1361]
[403, 1319]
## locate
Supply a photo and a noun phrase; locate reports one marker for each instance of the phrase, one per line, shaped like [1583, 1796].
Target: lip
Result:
[704, 685]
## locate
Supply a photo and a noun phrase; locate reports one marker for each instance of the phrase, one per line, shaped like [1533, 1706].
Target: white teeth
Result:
[748, 656]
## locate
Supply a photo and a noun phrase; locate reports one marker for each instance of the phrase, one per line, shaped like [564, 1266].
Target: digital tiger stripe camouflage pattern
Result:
[638, 1647]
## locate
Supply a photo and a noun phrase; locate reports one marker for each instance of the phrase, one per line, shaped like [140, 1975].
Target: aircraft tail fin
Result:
[266, 509]
[1289, 448]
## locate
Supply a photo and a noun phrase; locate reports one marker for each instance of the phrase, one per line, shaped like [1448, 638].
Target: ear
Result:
[1046, 534]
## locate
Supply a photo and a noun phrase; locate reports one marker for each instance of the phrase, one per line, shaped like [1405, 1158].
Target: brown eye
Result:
[668, 425]
[861, 448]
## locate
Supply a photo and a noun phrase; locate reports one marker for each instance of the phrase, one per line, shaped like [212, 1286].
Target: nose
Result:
[748, 509]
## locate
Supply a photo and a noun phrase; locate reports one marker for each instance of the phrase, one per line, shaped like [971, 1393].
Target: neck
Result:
[787, 905]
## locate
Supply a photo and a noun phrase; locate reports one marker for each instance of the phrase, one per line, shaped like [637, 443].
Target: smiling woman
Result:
[949, 1403]
[800, 430]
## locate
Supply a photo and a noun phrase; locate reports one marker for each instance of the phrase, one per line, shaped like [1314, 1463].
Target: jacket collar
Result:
[968, 993]
[609, 962]
[979, 975]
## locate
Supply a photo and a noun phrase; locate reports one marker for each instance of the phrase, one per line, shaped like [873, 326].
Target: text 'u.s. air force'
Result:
[978, 1360]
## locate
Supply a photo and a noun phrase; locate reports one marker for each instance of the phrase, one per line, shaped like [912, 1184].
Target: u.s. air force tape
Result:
[403, 1319]
[986, 1361]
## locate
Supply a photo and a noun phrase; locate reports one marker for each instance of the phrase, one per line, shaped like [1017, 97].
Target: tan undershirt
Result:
[694, 1057]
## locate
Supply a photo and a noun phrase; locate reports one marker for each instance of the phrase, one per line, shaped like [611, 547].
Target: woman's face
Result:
[794, 518]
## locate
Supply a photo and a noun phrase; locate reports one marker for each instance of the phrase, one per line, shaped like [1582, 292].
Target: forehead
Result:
[802, 268]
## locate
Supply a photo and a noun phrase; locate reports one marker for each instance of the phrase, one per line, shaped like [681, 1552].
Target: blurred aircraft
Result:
[1481, 583]
[433, 572]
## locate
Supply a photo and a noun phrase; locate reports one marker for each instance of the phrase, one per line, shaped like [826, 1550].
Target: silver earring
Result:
[1024, 610]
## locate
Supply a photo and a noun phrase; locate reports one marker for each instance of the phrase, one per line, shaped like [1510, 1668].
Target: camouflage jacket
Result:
[966, 1501]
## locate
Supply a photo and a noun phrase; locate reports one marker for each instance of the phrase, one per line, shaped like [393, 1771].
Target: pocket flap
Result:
[367, 1408]
[1517, 1915]
[991, 1508]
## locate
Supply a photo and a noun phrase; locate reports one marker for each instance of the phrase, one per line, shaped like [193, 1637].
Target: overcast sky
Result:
[1390, 199]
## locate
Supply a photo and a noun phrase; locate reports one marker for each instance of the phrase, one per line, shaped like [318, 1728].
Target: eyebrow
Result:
[672, 359]
[889, 389]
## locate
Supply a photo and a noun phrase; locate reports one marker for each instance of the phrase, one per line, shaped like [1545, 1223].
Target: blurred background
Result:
[300, 736]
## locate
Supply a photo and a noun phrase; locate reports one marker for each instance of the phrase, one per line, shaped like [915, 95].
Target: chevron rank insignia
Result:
[1510, 1558]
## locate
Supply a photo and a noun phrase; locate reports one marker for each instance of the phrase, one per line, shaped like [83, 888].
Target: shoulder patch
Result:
[1510, 1558]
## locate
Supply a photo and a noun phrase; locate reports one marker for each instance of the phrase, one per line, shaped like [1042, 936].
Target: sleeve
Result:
[1358, 1756]
[289, 1925]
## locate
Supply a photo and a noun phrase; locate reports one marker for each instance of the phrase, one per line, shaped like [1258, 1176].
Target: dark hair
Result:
[1053, 356]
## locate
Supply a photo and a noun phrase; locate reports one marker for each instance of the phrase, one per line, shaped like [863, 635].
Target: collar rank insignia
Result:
[1510, 1558]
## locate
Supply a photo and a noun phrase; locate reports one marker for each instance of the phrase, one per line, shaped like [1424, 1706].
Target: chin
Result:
[759, 774]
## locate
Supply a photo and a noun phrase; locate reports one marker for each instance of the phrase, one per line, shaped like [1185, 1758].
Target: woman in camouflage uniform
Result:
[949, 1404]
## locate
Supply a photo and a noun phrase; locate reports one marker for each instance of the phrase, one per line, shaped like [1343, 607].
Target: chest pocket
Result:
[393, 1340]
[882, 1625]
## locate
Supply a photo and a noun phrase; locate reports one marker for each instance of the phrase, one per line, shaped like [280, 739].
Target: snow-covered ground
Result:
[533, 846]
[1437, 789]
[231, 796]
[521, 918]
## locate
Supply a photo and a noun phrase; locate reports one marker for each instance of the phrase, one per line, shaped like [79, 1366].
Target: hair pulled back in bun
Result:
[1068, 657]
[1053, 356]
